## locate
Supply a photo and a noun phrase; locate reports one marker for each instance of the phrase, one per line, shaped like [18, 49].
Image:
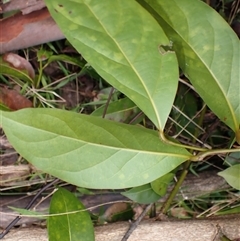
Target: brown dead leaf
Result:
[138, 209]
[11, 174]
[13, 100]
[19, 63]
[179, 212]
[116, 212]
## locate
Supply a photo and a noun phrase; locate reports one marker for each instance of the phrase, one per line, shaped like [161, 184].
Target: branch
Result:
[24, 6]
[28, 27]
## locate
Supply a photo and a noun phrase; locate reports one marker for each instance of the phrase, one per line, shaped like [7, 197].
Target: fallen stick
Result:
[28, 27]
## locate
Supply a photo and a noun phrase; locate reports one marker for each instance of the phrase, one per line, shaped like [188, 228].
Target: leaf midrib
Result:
[212, 74]
[135, 71]
[106, 146]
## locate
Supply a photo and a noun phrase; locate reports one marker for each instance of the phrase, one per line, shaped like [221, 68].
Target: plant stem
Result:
[173, 193]
[195, 148]
[39, 76]
[136, 223]
[107, 103]
[201, 156]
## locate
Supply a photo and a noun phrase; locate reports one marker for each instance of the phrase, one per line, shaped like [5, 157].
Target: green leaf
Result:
[68, 227]
[232, 159]
[7, 69]
[208, 52]
[142, 194]
[31, 213]
[117, 212]
[84, 191]
[229, 211]
[231, 175]
[43, 54]
[4, 107]
[121, 40]
[160, 185]
[89, 151]
[119, 111]
[67, 59]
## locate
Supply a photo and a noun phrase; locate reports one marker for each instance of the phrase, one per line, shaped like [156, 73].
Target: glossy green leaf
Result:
[121, 40]
[161, 184]
[231, 175]
[142, 194]
[208, 52]
[72, 226]
[89, 151]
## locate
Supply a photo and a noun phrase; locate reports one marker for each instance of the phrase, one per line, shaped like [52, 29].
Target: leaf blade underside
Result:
[89, 151]
[121, 41]
[208, 52]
